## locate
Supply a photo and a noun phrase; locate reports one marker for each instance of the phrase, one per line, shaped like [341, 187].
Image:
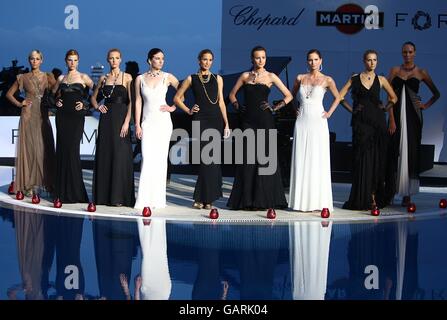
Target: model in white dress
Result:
[310, 174]
[157, 129]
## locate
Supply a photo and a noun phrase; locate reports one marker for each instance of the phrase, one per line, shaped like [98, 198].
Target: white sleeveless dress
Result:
[157, 130]
[310, 174]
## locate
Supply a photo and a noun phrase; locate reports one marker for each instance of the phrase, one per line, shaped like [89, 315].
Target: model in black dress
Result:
[70, 118]
[369, 136]
[405, 125]
[209, 112]
[251, 188]
[113, 180]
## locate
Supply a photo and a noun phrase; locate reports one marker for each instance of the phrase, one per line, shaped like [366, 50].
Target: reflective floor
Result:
[47, 256]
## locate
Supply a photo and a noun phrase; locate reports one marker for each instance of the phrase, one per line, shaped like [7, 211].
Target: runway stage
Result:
[180, 189]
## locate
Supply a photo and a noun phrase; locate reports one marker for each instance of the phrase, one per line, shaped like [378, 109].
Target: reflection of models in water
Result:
[309, 257]
[210, 283]
[155, 278]
[115, 247]
[372, 246]
[392, 248]
[405, 124]
[63, 237]
[257, 257]
[30, 247]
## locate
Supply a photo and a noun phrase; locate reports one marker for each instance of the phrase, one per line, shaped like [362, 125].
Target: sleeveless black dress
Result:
[250, 188]
[209, 181]
[414, 132]
[369, 142]
[113, 182]
[70, 186]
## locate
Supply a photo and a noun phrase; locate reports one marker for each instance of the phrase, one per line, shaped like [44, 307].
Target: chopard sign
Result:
[250, 16]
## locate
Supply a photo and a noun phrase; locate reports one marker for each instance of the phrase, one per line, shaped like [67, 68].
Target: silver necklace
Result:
[367, 76]
[306, 86]
[255, 75]
[308, 92]
[113, 87]
[153, 74]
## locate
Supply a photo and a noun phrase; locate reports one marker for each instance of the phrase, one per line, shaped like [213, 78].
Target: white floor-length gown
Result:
[310, 174]
[157, 130]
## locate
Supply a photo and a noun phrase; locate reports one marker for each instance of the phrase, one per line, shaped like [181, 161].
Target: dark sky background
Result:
[180, 28]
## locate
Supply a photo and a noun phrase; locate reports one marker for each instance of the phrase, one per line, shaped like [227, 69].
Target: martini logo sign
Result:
[351, 18]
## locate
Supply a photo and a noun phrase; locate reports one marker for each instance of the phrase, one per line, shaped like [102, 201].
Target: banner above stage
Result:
[342, 31]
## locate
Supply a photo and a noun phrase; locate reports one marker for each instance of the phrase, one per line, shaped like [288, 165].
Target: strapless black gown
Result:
[70, 186]
[250, 188]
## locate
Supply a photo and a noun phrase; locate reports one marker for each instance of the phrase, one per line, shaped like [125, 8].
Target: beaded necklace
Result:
[152, 74]
[256, 74]
[113, 87]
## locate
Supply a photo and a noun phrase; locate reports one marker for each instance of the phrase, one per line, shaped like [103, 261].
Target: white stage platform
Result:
[179, 199]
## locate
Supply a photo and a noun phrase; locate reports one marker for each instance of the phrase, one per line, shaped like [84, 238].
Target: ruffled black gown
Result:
[369, 141]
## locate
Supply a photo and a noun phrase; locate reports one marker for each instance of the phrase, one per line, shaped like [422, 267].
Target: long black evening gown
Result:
[369, 141]
[70, 186]
[407, 182]
[209, 181]
[251, 189]
[113, 182]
